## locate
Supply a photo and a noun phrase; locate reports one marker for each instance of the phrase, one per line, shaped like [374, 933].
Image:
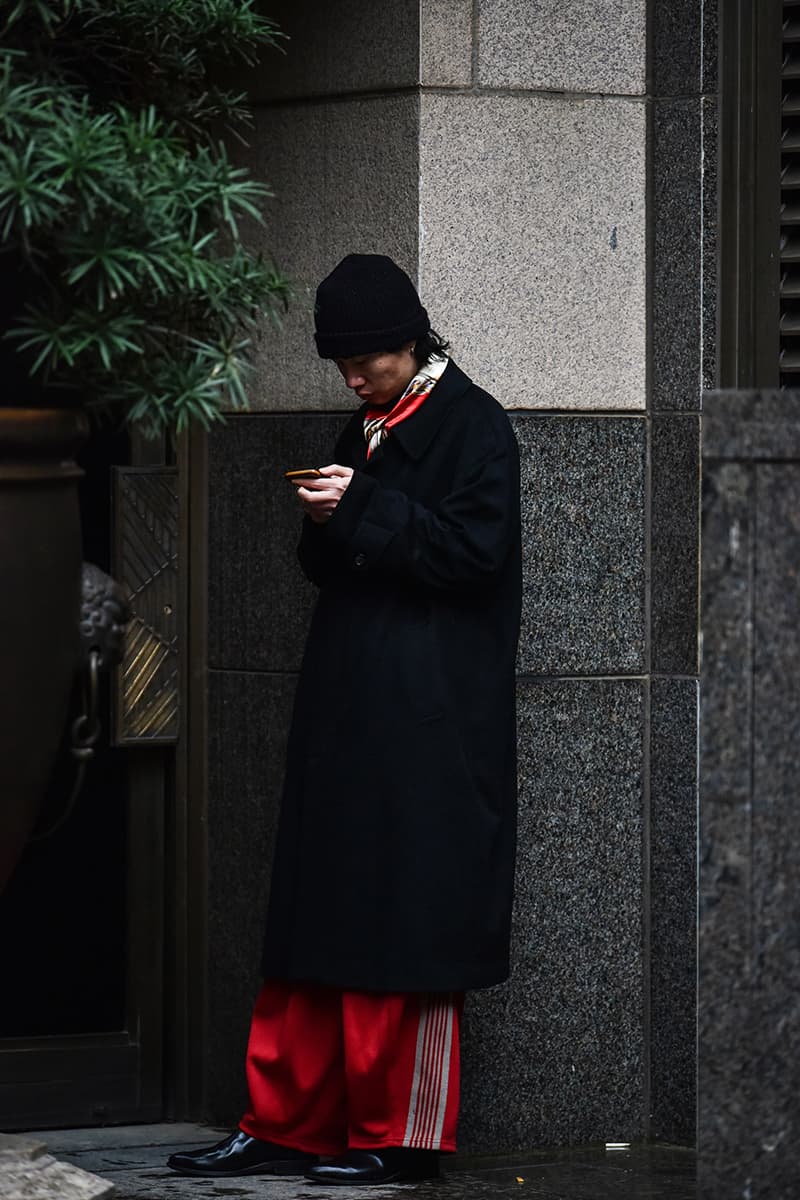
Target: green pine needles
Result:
[121, 212]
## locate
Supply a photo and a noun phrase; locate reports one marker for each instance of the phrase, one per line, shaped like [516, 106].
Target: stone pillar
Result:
[505, 154]
[749, 956]
[682, 224]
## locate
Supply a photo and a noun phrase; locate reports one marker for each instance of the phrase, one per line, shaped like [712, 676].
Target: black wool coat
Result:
[394, 861]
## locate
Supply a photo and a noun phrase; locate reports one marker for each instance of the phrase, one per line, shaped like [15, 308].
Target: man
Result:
[392, 881]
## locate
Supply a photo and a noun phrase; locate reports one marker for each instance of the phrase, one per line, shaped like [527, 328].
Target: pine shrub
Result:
[126, 278]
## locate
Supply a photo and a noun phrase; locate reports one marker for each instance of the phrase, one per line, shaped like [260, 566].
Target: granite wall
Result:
[749, 1017]
[529, 167]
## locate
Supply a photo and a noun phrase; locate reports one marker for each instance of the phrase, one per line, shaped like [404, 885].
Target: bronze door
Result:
[84, 921]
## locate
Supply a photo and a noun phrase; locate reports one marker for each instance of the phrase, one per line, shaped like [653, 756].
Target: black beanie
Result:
[367, 303]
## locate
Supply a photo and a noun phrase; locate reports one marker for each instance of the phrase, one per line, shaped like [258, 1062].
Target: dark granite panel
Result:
[725, 1029]
[248, 720]
[749, 1078]
[727, 567]
[259, 602]
[583, 544]
[751, 425]
[711, 30]
[684, 46]
[677, 259]
[583, 500]
[676, 31]
[675, 544]
[673, 909]
[774, 1118]
[710, 220]
[555, 1056]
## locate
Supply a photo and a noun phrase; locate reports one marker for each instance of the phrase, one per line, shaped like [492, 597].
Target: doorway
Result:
[82, 921]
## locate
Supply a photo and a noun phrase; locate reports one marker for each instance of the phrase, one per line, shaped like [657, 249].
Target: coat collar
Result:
[415, 434]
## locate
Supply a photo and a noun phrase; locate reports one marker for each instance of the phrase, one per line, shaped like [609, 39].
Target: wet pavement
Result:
[133, 1158]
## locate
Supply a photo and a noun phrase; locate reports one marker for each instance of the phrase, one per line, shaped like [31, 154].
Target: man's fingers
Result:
[319, 496]
[312, 485]
[326, 483]
[333, 469]
[318, 492]
[318, 499]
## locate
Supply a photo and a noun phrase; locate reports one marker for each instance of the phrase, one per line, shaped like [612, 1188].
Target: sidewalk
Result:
[133, 1157]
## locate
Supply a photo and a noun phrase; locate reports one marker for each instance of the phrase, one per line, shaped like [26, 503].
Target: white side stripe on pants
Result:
[431, 1076]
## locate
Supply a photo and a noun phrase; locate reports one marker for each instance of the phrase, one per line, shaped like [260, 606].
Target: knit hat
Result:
[367, 303]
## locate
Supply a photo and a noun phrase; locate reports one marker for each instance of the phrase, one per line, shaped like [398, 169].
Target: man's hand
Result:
[319, 497]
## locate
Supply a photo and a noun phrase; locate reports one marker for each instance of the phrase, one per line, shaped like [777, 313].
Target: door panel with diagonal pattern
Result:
[147, 567]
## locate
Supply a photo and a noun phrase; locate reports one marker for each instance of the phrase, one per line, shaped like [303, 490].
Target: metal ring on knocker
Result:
[86, 728]
[84, 733]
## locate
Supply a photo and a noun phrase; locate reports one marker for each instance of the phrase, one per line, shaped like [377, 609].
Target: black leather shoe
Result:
[395, 1164]
[240, 1154]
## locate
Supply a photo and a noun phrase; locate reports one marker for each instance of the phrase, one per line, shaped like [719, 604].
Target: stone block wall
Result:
[532, 167]
[749, 1021]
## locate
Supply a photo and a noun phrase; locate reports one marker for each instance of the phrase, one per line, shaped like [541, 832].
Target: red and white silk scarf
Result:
[378, 422]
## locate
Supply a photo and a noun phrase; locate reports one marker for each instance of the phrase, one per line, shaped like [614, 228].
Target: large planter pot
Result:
[40, 556]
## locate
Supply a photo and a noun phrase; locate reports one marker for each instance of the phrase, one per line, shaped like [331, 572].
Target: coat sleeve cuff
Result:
[361, 541]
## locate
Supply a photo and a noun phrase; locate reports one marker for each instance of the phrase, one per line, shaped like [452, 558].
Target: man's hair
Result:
[430, 345]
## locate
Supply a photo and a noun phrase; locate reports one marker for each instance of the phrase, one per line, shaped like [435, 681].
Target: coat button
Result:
[360, 560]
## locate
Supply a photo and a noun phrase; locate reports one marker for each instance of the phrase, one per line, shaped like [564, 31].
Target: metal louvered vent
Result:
[790, 198]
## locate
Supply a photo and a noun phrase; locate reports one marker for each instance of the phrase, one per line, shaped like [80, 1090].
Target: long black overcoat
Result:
[394, 861]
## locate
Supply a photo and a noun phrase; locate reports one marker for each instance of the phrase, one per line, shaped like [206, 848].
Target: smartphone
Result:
[303, 473]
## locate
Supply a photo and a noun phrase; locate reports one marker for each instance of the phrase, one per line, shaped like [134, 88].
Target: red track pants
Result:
[330, 1070]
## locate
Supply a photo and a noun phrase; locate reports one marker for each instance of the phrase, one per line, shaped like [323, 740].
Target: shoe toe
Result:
[391, 1165]
[241, 1154]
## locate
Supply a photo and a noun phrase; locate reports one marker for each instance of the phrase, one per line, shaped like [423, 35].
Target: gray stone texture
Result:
[774, 1120]
[684, 47]
[248, 721]
[583, 481]
[673, 908]
[710, 219]
[684, 204]
[20, 1147]
[749, 1014]
[259, 602]
[563, 238]
[711, 42]
[576, 47]
[445, 43]
[556, 1055]
[345, 178]
[350, 47]
[677, 290]
[751, 426]
[727, 633]
[675, 543]
[532, 244]
[725, 1047]
[725, 1050]
[28, 1172]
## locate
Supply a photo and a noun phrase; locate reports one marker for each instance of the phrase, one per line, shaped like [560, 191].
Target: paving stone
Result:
[574, 1173]
[20, 1146]
[41, 1177]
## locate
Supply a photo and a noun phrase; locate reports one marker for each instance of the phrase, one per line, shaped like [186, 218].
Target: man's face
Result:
[381, 377]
